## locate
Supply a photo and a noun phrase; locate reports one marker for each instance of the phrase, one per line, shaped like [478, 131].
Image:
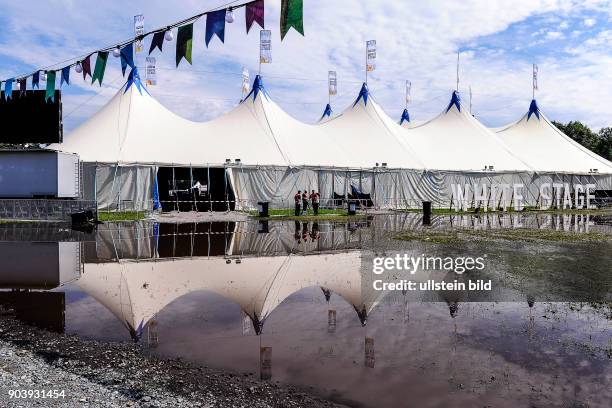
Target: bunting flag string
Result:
[65, 76]
[50, 90]
[292, 15]
[184, 42]
[100, 67]
[255, 14]
[215, 25]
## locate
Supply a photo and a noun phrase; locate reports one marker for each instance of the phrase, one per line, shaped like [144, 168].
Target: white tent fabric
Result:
[369, 136]
[455, 140]
[134, 128]
[538, 142]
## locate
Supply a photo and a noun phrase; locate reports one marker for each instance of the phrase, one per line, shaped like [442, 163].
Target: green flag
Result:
[100, 67]
[184, 40]
[50, 90]
[292, 15]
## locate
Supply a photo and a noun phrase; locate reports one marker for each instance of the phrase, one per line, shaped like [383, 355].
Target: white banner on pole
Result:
[138, 30]
[265, 46]
[245, 82]
[370, 55]
[333, 83]
[408, 89]
[150, 72]
[535, 77]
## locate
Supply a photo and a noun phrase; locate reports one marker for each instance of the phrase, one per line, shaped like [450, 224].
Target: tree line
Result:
[600, 142]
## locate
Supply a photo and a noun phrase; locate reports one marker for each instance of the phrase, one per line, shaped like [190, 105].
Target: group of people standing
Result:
[301, 202]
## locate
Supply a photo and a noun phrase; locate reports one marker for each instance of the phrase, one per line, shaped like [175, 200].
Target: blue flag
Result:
[127, 57]
[35, 79]
[65, 76]
[215, 24]
[8, 89]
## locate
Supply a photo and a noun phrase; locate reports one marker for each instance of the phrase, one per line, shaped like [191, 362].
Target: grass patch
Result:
[519, 234]
[283, 214]
[121, 215]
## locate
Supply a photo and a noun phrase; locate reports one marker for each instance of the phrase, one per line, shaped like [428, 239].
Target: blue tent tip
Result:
[456, 101]
[533, 110]
[363, 94]
[405, 117]
[327, 112]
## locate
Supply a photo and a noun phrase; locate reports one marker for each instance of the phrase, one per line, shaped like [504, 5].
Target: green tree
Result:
[580, 133]
[604, 148]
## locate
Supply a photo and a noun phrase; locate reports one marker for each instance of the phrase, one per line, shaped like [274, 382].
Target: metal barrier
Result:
[42, 209]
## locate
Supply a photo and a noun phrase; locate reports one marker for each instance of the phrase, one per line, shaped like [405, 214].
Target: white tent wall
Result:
[120, 188]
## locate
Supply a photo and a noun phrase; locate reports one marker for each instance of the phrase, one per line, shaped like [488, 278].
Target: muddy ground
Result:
[99, 374]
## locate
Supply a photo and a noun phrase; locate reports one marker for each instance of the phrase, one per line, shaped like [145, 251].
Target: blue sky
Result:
[570, 41]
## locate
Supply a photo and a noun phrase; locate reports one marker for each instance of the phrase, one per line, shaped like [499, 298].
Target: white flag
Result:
[150, 72]
[245, 82]
[265, 46]
[333, 84]
[138, 30]
[535, 77]
[370, 55]
[408, 88]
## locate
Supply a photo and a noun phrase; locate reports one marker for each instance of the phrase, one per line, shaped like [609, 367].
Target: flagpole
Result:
[533, 81]
[457, 88]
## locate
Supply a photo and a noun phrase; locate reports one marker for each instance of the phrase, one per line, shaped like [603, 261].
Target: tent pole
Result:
[225, 195]
[209, 189]
[193, 197]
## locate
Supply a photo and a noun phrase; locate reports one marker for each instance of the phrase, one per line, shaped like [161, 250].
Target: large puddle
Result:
[286, 301]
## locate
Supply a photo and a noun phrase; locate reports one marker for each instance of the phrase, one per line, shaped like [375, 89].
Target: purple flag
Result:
[22, 86]
[86, 65]
[215, 25]
[255, 14]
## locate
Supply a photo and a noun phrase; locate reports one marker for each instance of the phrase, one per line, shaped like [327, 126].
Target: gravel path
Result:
[193, 216]
[96, 374]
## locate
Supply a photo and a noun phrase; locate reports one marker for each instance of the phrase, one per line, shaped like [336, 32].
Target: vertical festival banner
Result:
[535, 77]
[370, 55]
[265, 47]
[408, 90]
[245, 82]
[332, 83]
[138, 31]
[150, 72]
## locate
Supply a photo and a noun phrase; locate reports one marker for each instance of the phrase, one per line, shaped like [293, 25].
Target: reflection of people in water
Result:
[315, 234]
[305, 232]
[297, 235]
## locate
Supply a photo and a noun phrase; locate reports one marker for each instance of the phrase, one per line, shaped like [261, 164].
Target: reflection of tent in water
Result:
[136, 291]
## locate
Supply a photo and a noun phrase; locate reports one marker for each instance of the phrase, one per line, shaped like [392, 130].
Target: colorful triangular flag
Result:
[157, 41]
[65, 76]
[100, 67]
[50, 91]
[8, 89]
[255, 14]
[86, 65]
[184, 41]
[292, 15]
[35, 79]
[22, 86]
[127, 57]
[215, 24]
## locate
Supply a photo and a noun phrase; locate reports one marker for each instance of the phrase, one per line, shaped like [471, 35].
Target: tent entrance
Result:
[195, 189]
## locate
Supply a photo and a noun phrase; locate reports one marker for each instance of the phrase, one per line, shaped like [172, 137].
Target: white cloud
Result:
[589, 22]
[554, 35]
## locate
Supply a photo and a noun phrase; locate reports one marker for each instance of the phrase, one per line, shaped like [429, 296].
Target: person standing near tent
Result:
[298, 199]
[305, 202]
[314, 199]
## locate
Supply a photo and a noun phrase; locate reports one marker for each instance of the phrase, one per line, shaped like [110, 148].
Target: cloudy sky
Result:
[571, 41]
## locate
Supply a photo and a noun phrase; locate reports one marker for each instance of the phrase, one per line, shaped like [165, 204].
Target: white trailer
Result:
[39, 173]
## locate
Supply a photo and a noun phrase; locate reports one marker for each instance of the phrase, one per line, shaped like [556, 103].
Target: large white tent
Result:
[538, 142]
[128, 141]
